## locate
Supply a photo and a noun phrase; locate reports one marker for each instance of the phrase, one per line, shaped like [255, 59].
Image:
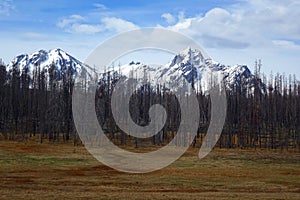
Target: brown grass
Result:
[61, 171]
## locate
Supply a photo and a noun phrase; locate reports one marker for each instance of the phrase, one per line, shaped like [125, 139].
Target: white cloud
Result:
[170, 19]
[6, 6]
[286, 44]
[181, 16]
[183, 25]
[70, 20]
[249, 23]
[274, 18]
[100, 6]
[118, 24]
[79, 24]
[86, 28]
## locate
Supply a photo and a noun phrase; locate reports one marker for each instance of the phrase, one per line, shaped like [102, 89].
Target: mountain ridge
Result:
[56, 58]
[189, 64]
[194, 67]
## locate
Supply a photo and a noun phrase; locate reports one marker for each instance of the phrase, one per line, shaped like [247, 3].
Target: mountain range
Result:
[194, 67]
[189, 64]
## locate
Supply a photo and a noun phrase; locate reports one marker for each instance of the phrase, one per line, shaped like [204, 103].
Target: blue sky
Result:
[232, 32]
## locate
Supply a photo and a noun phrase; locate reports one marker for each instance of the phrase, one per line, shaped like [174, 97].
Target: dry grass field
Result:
[61, 171]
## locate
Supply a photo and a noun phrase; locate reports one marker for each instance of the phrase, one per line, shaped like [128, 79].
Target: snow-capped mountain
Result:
[191, 65]
[44, 60]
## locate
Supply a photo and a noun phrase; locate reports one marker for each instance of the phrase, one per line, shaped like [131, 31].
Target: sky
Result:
[231, 32]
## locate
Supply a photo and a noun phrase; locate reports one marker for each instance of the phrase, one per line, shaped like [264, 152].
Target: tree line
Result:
[262, 114]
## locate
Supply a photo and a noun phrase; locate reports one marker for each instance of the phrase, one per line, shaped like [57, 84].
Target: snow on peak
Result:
[191, 65]
[55, 63]
[188, 57]
[44, 60]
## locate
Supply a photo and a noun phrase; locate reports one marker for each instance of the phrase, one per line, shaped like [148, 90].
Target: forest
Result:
[264, 114]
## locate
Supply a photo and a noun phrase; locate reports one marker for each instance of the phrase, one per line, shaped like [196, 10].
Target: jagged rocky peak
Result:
[191, 64]
[195, 67]
[188, 56]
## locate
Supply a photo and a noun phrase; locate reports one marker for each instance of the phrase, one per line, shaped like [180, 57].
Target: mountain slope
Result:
[194, 67]
[189, 64]
[57, 58]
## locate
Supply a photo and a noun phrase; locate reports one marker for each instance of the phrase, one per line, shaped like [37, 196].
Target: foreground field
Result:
[61, 171]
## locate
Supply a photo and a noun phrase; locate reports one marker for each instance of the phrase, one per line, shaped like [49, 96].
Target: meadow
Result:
[30, 170]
